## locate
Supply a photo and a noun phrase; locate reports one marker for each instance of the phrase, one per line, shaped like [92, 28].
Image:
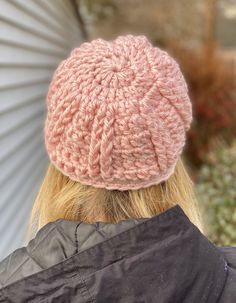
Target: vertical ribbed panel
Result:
[35, 35]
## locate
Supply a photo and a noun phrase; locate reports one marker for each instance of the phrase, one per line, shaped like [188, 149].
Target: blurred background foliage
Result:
[200, 35]
[217, 192]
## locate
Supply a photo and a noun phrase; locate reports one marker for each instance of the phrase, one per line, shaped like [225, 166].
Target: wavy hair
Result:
[61, 197]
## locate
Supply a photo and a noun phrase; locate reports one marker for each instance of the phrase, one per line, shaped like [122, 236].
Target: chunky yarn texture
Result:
[118, 112]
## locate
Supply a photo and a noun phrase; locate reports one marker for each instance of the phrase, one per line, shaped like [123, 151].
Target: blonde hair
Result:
[61, 197]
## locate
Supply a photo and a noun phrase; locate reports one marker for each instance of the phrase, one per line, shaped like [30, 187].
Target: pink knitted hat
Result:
[118, 112]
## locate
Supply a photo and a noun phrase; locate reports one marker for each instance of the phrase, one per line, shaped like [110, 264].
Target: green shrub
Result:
[216, 193]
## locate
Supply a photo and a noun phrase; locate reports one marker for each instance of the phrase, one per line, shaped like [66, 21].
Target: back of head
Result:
[118, 113]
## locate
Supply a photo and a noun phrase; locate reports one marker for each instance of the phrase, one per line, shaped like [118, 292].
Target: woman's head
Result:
[118, 113]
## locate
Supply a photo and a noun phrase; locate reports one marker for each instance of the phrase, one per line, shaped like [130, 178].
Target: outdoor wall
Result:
[34, 37]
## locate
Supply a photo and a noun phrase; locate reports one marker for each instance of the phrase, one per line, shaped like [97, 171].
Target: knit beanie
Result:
[117, 114]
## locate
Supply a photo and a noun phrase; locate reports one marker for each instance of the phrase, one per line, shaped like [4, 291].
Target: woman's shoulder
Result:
[37, 255]
[59, 241]
[54, 243]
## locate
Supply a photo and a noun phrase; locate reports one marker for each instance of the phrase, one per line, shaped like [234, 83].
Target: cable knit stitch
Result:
[118, 112]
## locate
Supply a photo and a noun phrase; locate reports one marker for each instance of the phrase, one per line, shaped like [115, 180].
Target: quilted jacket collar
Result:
[161, 259]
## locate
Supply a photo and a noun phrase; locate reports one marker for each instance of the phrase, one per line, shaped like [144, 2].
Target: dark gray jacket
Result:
[163, 259]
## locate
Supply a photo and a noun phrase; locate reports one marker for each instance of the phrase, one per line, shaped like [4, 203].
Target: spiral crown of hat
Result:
[118, 112]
